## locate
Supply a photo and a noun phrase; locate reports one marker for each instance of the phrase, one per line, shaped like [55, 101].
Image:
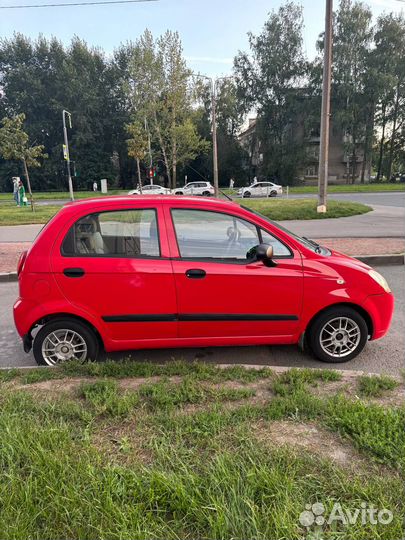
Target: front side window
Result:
[126, 233]
[279, 249]
[212, 235]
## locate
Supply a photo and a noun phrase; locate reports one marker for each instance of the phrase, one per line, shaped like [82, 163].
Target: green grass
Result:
[294, 380]
[127, 368]
[13, 215]
[108, 462]
[376, 385]
[274, 209]
[286, 209]
[59, 195]
[351, 188]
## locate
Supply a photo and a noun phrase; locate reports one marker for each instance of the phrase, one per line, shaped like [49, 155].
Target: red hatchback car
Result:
[120, 273]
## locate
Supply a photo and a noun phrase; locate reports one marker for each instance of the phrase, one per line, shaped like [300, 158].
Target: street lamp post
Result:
[214, 136]
[66, 153]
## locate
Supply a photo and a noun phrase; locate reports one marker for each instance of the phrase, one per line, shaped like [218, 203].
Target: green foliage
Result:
[376, 385]
[295, 380]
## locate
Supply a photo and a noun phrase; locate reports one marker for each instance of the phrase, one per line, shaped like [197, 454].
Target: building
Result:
[340, 163]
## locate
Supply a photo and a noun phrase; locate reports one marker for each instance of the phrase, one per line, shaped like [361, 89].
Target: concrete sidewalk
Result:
[364, 248]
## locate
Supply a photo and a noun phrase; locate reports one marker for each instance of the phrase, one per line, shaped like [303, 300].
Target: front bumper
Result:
[380, 308]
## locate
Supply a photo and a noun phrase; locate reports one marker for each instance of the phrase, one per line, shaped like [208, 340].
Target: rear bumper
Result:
[381, 308]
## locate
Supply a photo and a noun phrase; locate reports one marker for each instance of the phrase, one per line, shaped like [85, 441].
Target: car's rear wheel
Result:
[206, 193]
[338, 335]
[246, 194]
[179, 193]
[62, 340]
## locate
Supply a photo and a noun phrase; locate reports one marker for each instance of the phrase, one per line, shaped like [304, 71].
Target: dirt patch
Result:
[312, 438]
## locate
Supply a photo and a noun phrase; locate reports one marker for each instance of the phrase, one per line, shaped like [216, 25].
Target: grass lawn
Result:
[188, 450]
[282, 209]
[13, 215]
[46, 195]
[351, 188]
[272, 208]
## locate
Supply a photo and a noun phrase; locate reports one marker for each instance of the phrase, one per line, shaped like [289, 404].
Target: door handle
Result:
[196, 273]
[74, 272]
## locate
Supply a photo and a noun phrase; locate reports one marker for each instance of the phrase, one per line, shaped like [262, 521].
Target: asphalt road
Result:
[380, 199]
[383, 356]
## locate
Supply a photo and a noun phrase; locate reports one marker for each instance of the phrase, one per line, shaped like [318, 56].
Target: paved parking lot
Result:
[384, 356]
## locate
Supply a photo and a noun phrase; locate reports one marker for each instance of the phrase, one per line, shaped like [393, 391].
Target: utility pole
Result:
[66, 152]
[325, 114]
[214, 136]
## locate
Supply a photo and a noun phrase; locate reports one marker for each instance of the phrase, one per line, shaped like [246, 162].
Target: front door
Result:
[113, 265]
[219, 294]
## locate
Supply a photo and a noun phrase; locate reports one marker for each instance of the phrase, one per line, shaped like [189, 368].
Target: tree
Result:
[14, 145]
[389, 65]
[352, 39]
[270, 80]
[137, 146]
[159, 91]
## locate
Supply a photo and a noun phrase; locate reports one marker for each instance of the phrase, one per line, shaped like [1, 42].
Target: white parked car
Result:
[261, 189]
[151, 189]
[195, 188]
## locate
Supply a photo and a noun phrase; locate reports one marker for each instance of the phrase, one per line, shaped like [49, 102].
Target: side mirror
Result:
[263, 253]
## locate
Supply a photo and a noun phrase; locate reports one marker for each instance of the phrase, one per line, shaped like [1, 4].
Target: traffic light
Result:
[151, 173]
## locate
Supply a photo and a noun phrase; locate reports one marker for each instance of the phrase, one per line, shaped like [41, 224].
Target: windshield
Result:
[309, 244]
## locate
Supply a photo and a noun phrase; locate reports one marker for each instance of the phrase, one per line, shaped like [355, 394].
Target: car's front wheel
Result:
[62, 340]
[206, 194]
[179, 193]
[273, 194]
[246, 194]
[338, 335]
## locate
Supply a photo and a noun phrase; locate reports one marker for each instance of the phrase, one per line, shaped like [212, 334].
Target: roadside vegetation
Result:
[274, 209]
[283, 209]
[127, 450]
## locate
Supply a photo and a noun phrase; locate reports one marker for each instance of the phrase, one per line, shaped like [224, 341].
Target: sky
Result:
[212, 31]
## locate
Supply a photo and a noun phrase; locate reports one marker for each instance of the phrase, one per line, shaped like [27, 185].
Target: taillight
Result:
[21, 262]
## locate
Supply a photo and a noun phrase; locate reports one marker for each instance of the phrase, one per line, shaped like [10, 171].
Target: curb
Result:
[382, 260]
[372, 260]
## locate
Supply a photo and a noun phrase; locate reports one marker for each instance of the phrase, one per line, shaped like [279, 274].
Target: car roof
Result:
[112, 200]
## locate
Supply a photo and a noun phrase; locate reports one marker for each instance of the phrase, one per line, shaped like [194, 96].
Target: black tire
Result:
[179, 193]
[206, 193]
[247, 195]
[82, 330]
[316, 330]
[273, 194]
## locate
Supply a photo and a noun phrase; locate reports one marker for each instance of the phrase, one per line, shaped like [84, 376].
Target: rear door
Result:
[221, 294]
[115, 265]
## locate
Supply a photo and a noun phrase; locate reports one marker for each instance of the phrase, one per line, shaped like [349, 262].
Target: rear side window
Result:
[126, 233]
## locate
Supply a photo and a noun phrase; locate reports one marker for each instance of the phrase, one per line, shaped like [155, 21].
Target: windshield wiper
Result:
[315, 244]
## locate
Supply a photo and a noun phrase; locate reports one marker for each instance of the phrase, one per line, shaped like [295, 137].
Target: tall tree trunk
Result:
[27, 176]
[163, 148]
[380, 158]
[367, 141]
[138, 167]
[392, 141]
[174, 176]
[354, 162]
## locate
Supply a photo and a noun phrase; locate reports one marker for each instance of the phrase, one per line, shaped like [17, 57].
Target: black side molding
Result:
[198, 317]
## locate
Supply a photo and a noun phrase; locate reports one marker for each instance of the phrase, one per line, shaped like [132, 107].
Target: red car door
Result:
[219, 294]
[114, 264]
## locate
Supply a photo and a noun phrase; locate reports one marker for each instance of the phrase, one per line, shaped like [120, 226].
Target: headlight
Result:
[380, 280]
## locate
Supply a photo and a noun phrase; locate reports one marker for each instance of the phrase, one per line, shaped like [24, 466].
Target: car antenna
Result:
[225, 195]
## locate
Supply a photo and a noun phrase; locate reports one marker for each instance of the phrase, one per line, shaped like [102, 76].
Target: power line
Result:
[93, 3]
